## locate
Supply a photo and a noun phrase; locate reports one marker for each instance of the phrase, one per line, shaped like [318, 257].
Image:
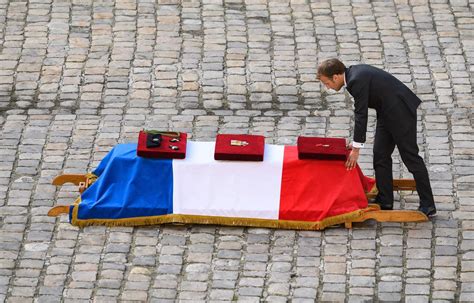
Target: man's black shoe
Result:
[430, 212]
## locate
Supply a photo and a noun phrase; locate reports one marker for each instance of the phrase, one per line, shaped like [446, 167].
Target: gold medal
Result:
[238, 143]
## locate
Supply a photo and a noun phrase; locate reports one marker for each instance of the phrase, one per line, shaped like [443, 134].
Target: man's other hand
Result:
[352, 159]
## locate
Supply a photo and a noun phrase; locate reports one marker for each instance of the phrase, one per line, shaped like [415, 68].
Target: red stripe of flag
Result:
[312, 190]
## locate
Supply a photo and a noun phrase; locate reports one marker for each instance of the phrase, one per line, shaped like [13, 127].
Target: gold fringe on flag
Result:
[216, 220]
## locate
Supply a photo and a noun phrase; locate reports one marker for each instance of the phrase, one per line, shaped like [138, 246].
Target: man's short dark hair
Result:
[330, 67]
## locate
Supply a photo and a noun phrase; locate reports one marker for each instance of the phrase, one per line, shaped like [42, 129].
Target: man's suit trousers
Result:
[389, 134]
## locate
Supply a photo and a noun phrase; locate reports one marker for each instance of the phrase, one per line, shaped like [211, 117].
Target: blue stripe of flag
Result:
[128, 186]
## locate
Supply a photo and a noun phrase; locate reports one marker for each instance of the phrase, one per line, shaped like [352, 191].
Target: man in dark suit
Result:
[396, 106]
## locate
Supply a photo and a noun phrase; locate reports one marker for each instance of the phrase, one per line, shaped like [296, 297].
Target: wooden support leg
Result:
[82, 187]
[58, 210]
[80, 180]
[404, 184]
[393, 216]
[74, 179]
[398, 184]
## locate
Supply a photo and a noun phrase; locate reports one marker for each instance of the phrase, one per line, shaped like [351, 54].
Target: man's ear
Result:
[338, 78]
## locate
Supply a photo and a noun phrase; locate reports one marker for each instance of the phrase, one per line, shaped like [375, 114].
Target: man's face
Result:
[336, 82]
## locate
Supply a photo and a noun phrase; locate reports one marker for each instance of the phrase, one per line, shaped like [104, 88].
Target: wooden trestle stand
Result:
[372, 212]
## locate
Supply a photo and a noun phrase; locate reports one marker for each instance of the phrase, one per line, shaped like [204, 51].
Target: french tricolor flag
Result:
[132, 190]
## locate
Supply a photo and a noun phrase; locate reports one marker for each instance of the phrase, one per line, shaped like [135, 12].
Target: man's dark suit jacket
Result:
[394, 103]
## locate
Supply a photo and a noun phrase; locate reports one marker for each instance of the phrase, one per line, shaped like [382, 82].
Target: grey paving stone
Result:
[79, 77]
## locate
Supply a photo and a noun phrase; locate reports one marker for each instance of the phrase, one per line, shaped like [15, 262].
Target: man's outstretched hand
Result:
[352, 158]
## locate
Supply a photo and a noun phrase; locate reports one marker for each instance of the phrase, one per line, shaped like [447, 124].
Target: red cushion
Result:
[163, 151]
[252, 150]
[322, 148]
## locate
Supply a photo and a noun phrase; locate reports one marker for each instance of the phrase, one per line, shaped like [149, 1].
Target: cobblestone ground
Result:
[79, 76]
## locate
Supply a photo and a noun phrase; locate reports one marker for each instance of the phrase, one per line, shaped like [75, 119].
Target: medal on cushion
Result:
[153, 140]
[238, 143]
